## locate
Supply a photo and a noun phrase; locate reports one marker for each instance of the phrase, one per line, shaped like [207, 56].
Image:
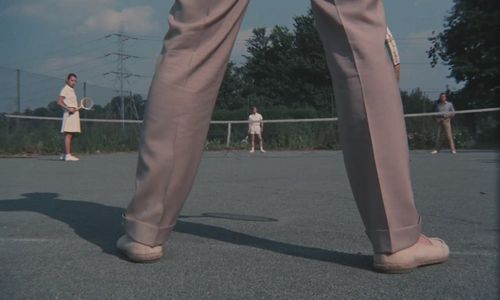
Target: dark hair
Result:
[71, 75]
[442, 94]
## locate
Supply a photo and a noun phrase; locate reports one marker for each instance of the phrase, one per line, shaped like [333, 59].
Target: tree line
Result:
[285, 69]
[285, 74]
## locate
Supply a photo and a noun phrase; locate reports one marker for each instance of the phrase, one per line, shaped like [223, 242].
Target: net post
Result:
[228, 141]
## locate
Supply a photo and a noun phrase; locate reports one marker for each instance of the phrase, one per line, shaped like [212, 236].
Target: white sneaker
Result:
[70, 157]
[262, 150]
[434, 152]
[252, 151]
[453, 151]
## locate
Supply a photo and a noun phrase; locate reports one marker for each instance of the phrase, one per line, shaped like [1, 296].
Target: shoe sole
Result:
[142, 258]
[401, 269]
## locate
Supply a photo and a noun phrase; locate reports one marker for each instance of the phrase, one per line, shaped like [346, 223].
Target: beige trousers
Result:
[185, 87]
[444, 124]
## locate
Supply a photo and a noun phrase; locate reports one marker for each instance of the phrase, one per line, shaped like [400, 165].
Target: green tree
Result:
[288, 68]
[311, 75]
[469, 44]
[134, 108]
[416, 102]
[266, 70]
[230, 94]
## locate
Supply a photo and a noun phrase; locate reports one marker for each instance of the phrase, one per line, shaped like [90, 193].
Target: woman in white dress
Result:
[71, 118]
[255, 128]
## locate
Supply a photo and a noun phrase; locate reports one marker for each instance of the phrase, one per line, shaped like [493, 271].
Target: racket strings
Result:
[87, 103]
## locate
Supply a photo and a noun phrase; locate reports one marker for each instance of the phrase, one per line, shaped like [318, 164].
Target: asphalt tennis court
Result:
[279, 225]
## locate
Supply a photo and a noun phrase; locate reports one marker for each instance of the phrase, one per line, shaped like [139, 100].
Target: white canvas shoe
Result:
[69, 157]
[137, 252]
[427, 251]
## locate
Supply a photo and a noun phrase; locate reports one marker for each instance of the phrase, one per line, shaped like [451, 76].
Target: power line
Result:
[84, 61]
[50, 53]
[121, 74]
[50, 77]
[57, 76]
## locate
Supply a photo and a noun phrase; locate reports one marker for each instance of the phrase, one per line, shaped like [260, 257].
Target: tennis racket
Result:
[86, 103]
[393, 52]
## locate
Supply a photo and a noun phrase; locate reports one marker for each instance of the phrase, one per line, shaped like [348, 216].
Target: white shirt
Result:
[255, 119]
[69, 96]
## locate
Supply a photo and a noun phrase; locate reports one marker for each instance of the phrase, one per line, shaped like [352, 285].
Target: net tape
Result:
[470, 111]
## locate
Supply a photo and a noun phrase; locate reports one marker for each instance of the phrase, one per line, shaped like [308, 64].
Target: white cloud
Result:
[138, 19]
[86, 15]
[52, 65]
[57, 10]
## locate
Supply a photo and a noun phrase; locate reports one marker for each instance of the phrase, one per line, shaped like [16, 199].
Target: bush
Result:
[44, 137]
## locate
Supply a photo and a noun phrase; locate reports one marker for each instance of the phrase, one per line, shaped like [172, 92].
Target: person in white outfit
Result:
[71, 117]
[256, 128]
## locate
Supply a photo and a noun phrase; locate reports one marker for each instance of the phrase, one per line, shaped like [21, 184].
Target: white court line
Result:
[31, 240]
[489, 254]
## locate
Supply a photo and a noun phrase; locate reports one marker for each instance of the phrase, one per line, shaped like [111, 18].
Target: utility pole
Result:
[121, 72]
[18, 90]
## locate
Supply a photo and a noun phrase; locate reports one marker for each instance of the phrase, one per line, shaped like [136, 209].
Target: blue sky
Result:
[54, 37]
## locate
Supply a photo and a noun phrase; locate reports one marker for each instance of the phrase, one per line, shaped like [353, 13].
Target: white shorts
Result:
[255, 130]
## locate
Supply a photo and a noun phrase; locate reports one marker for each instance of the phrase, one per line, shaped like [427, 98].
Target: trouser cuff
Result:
[145, 233]
[392, 240]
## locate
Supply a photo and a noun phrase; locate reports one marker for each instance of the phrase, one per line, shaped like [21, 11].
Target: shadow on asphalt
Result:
[101, 225]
